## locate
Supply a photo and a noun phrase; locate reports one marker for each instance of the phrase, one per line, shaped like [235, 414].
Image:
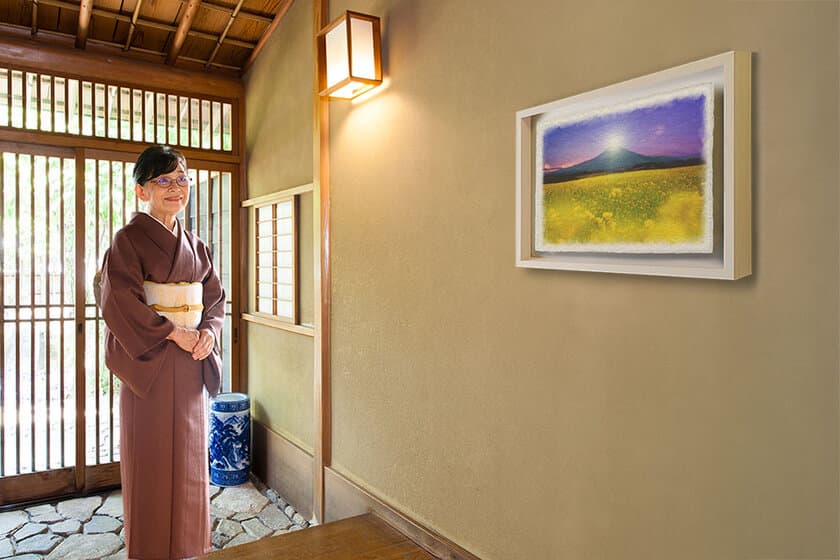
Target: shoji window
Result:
[53, 103]
[276, 258]
[275, 276]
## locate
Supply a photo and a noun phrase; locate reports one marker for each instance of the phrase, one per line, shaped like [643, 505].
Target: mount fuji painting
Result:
[632, 178]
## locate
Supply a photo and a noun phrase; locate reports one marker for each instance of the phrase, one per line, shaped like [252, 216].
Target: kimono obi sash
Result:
[179, 302]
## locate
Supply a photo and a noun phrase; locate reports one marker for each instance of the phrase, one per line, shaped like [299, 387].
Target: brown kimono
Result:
[163, 426]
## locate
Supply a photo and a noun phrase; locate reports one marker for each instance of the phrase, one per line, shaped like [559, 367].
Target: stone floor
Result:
[91, 528]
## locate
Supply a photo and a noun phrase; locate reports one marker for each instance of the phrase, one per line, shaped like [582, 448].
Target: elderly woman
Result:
[163, 305]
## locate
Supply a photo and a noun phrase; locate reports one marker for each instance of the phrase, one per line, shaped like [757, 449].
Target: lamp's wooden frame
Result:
[322, 55]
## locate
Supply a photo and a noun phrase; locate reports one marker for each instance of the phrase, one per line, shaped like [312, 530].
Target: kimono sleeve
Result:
[213, 319]
[135, 326]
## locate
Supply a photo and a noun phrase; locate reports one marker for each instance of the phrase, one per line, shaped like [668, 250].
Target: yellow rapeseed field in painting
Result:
[647, 206]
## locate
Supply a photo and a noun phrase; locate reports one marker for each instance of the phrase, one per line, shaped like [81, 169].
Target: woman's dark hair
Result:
[155, 161]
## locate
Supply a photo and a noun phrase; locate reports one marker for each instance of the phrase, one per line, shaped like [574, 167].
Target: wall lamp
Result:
[349, 56]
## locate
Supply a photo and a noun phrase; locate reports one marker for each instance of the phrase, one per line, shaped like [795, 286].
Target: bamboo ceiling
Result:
[217, 36]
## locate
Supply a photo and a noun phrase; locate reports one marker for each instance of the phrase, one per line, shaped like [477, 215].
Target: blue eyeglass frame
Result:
[164, 183]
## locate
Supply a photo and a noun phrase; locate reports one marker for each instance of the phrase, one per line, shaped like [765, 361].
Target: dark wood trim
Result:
[321, 179]
[35, 149]
[39, 56]
[58, 140]
[346, 499]
[36, 486]
[283, 466]
[281, 13]
[239, 282]
[84, 23]
[100, 477]
[183, 28]
[79, 313]
[33, 487]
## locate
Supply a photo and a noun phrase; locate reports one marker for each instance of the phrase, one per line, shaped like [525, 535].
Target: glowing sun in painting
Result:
[615, 141]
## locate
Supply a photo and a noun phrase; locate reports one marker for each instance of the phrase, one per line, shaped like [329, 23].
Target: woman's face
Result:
[166, 194]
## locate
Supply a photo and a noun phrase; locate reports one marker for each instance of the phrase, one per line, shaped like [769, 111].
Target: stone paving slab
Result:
[6, 548]
[242, 538]
[92, 527]
[79, 508]
[48, 517]
[243, 499]
[29, 530]
[102, 524]
[41, 510]
[11, 520]
[274, 519]
[87, 547]
[112, 505]
[255, 528]
[39, 544]
[67, 527]
[229, 528]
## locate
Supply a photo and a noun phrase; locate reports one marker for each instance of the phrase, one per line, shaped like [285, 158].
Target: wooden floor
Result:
[363, 537]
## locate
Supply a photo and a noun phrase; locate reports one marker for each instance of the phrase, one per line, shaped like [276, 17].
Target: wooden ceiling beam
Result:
[233, 15]
[281, 13]
[141, 22]
[228, 40]
[84, 23]
[109, 65]
[208, 63]
[183, 28]
[34, 17]
[244, 14]
[133, 24]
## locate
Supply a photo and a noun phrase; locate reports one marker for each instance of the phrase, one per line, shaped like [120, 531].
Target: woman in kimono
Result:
[165, 352]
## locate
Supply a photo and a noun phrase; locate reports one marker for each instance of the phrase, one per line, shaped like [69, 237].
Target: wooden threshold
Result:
[37, 486]
[365, 536]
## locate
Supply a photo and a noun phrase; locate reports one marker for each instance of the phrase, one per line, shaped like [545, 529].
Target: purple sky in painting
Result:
[673, 128]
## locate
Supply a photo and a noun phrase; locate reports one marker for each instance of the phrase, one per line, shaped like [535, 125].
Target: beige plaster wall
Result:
[539, 415]
[279, 155]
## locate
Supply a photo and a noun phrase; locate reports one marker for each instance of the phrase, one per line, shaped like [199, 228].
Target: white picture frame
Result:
[728, 256]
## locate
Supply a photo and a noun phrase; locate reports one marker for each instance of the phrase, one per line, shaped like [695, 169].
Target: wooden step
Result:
[363, 537]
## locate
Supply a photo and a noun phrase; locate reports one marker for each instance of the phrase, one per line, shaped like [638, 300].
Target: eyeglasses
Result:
[163, 182]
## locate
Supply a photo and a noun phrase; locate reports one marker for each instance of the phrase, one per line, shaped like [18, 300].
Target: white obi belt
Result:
[180, 302]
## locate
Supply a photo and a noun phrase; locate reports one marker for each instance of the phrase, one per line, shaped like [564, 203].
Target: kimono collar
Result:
[157, 233]
[173, 231]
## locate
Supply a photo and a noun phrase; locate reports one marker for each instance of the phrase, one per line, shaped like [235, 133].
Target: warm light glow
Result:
[338, 63]
[364, 63]
[372, 92]
[615, 141]
[351, 90]
[349, 54]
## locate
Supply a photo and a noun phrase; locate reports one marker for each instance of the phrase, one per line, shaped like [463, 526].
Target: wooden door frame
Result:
[32, 56]
[321, 179]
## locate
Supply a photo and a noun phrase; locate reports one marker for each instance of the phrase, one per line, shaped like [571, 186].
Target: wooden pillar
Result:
[321, 208]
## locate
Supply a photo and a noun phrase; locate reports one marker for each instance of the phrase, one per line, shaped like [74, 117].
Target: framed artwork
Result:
[649, 176]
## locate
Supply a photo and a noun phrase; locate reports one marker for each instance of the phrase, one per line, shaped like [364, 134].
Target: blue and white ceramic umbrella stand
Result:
[230, 439]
